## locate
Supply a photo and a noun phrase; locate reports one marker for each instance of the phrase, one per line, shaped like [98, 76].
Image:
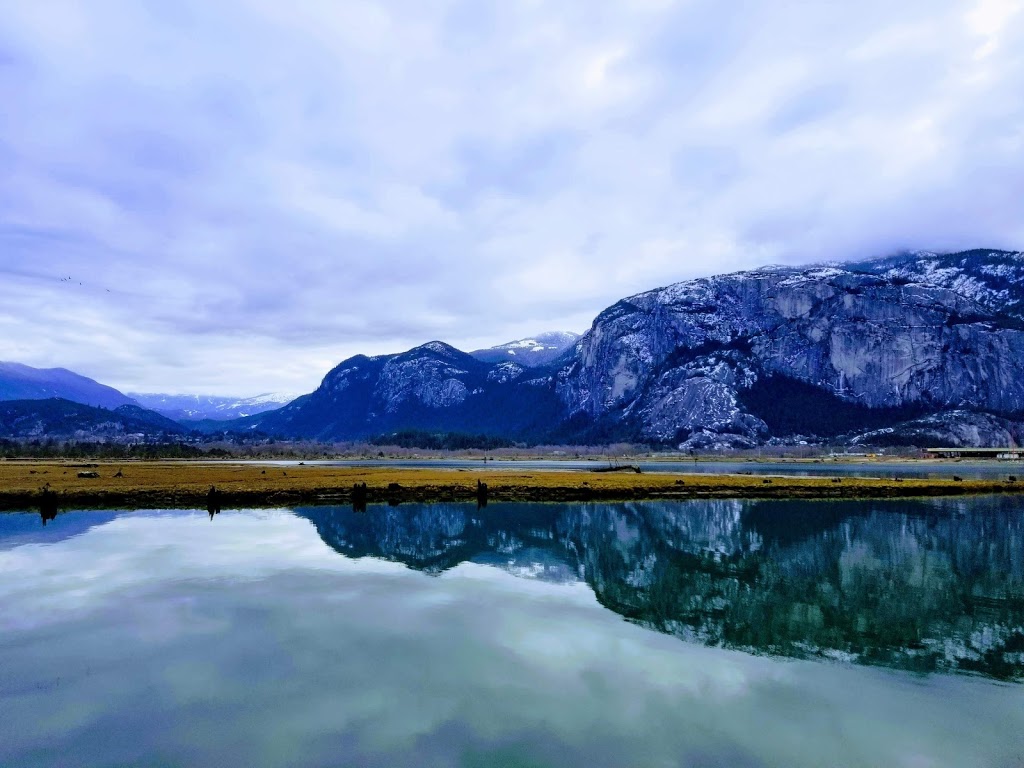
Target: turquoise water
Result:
[654, 634]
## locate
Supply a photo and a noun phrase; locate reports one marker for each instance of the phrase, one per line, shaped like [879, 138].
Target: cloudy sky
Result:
[231, 197]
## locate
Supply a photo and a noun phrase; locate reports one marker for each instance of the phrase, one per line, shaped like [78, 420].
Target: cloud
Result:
[250, 191]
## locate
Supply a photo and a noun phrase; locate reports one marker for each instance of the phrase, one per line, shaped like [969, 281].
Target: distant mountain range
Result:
[55, 402]
[187, 408]
[41, 403]
[908, 349]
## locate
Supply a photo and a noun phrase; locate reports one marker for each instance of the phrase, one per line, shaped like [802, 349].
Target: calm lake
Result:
[705, 633]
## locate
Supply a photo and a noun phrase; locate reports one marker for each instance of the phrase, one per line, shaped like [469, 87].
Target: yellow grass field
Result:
[183, 483]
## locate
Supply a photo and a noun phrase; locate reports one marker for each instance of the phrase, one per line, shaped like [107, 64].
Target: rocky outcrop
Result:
[433, 376]
[993, 279]
[949, 429]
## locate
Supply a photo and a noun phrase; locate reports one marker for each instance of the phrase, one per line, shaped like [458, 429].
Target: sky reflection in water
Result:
[445, 635]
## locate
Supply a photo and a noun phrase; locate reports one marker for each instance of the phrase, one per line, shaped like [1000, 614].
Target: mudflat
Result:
[184, 483]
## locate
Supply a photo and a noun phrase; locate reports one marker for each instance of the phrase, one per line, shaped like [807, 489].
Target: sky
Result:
[232, 197]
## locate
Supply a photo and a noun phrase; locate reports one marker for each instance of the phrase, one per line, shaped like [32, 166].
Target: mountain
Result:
[818, 351]
[62, 419]
[198, 407]
[911, 348]
[431, 387]
[21, 382]
[918, 347]
[530, 353]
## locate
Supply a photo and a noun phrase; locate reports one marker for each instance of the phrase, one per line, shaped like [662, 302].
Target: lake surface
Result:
[705, 633]
[973, 470]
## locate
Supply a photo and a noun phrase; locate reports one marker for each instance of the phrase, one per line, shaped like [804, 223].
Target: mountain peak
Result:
[439, 348]
[530, 352]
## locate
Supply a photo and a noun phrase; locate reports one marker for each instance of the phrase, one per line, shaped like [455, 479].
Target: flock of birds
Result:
[71, 280]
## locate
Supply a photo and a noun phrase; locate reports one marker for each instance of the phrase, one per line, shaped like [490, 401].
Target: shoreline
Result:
[175, 484]
[427, 456]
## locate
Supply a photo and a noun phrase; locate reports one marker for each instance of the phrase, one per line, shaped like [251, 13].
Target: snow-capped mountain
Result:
[827, 350]
[197, 407]
[532, 352]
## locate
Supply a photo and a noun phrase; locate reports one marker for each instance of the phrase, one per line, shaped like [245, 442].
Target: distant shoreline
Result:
[169, 484]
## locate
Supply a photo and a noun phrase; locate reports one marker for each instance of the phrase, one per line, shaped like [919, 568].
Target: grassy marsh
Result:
[183, 483]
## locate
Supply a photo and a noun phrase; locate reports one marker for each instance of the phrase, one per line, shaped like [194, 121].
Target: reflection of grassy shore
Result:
[170, 483]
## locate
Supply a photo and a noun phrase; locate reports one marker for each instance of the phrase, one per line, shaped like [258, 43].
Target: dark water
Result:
[973, 470]
[710, 633]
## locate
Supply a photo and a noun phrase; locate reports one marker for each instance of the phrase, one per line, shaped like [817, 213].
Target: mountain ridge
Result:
[188, 408]
[58, 418]
[901, 337]
[913, 347]
[23, 382]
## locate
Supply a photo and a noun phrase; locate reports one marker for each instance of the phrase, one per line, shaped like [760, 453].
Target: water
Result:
[972, 470]
[710, 633]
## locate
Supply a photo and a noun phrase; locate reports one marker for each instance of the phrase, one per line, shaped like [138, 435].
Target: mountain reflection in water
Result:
[930, 585]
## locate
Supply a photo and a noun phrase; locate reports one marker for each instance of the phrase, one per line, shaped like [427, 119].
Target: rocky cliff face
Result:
[679, 361]
[729, 361]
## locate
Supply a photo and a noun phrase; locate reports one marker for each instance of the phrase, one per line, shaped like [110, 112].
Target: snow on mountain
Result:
[530, 352]
[824, 349]
[993, 279]
[196, 407]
